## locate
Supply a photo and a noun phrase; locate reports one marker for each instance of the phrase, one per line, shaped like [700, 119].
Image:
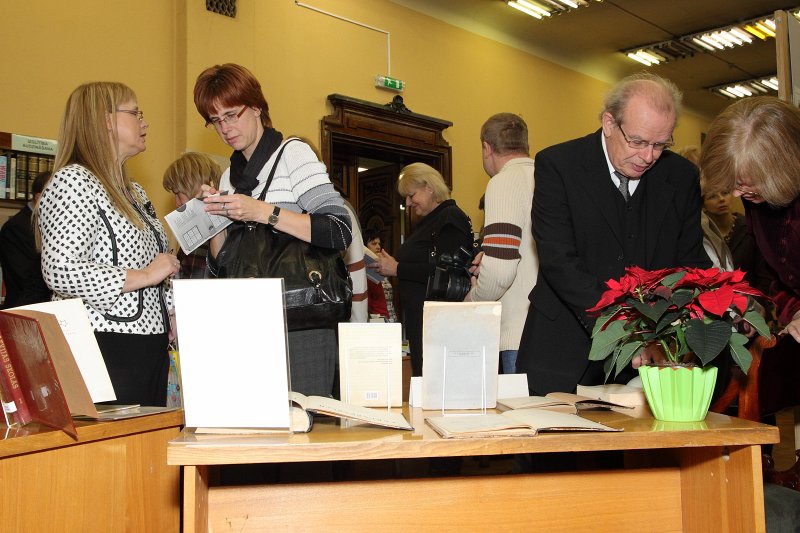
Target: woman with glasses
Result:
[753, 150]
[301, 200]
[102, 242]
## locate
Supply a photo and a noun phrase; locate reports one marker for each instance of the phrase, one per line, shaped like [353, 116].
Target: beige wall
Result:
[159, 46]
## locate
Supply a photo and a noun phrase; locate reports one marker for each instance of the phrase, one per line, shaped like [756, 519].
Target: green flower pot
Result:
[678, 393]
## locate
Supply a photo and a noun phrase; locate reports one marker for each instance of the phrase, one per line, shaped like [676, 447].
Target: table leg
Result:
[195, 499]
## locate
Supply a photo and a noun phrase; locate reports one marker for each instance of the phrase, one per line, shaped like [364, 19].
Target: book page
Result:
[232, 345]
[370, 368]
[615, 393]
[331, 407]
[74, 322]
[546, 420]
[193, 226]
[461, 349]
[479, 425]
[527, 402]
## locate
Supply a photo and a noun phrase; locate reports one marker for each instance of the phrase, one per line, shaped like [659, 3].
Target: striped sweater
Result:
[510, 265]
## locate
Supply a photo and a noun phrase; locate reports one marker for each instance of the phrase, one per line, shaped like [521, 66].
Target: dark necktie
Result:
[623, 185]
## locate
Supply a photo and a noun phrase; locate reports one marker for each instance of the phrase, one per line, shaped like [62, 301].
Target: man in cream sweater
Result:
[508, 265]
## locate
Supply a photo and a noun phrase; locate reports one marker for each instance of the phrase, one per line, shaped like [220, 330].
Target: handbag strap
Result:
[263, 194]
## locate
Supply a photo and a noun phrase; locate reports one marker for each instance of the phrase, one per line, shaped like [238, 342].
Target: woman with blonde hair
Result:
[102, 242]
[443, 226]
[753, 150]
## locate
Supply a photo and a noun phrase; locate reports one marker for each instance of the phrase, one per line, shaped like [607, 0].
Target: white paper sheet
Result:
[232, 345]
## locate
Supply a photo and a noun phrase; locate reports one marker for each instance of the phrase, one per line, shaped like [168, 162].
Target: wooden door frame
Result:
[391, 128]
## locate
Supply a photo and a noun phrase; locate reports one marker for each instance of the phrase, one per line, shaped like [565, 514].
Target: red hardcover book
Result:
[16, 410]
[29, 346]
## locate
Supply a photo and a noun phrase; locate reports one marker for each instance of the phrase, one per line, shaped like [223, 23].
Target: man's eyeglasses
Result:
[639, 144]
[135, 112]
[228, 118]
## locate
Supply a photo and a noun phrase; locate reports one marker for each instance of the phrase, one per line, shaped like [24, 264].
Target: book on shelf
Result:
[614, 393]
[370, 364]
[21, 177]
[461, 347]
[515, 423]
[3, 176]
[557, 401]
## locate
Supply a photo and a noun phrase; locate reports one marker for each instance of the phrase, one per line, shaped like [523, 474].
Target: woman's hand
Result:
[386, 264]
[652, 353]
[793, 328]
[162, 267]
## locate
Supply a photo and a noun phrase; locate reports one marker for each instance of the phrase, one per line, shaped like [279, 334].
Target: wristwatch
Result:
[273, 218]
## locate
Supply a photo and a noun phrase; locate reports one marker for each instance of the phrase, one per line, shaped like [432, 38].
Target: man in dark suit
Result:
[21, 262]
[614, 198]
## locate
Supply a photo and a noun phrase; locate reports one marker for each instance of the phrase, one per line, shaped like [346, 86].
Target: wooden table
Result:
[114, 478]
[702, 476]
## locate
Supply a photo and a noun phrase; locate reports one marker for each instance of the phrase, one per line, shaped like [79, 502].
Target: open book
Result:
[515, 423]
[329, 406]
[556, 401]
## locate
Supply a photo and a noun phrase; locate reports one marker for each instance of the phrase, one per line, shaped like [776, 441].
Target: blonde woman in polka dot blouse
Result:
[102, 242]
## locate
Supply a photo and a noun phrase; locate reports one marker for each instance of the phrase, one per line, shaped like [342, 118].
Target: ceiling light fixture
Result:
[713, 40]
[767, 85]
[544, 8]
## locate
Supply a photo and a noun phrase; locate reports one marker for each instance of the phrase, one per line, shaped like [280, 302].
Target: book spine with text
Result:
[3, 175]
[14, 407]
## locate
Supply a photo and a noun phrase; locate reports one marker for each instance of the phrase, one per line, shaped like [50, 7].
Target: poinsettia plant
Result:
[685, 310]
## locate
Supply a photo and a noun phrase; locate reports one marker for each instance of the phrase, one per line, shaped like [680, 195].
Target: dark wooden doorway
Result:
[380, 139]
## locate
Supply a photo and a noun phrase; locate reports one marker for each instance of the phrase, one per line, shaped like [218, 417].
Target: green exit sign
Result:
[393, 84]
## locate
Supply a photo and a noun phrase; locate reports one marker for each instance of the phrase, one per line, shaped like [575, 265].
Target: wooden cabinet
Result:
[113, 478]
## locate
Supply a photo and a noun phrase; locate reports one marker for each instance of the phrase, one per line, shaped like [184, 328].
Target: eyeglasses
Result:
[135, 112]
[747, 191]
[228, 118]
[639, 144]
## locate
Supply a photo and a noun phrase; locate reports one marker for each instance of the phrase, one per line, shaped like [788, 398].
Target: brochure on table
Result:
[232, 344]
[461, 350]
[370, 364]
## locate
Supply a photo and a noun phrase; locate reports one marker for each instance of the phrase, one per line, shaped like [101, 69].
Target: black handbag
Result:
[317, 288]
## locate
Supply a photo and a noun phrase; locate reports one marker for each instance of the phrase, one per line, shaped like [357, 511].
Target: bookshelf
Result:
[22, 157]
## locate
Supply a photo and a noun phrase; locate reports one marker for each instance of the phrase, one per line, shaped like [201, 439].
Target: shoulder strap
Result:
[263, 194]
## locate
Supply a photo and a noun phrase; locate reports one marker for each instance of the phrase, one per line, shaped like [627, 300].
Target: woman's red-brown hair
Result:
[229, 85]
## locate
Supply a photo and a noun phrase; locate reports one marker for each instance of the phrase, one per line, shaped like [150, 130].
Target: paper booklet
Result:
[232, 340]
[557, 401]
[518, 423]
[370, 364]
[461, 350]
[193, 226]
[301, 421]
[331, 407]
[75, 324]
[370, 259]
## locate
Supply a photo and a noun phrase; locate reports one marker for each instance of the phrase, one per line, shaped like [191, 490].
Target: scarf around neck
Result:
[244, 173]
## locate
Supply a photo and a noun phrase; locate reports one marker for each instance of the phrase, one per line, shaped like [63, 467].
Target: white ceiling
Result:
[590, 39]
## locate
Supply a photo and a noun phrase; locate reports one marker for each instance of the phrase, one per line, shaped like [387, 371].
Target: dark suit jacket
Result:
[22, 268]
[581, 241]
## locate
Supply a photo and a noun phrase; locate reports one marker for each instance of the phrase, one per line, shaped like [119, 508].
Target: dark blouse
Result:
[453, 229]
[777, 235]
[747, 257]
